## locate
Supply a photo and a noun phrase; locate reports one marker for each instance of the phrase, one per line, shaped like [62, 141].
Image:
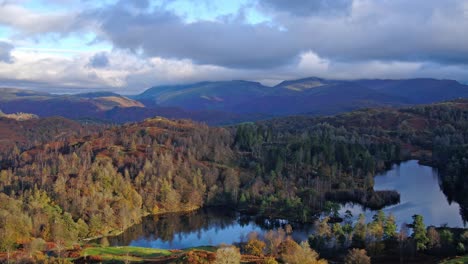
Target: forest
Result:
[72, 182]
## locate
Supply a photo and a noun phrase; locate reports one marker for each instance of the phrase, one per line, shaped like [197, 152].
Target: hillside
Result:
[419, 91]
[105, 107]
[294, 167]
[18, 135]
[223, 95]
[69, 106]
[230, 102]
[313, 96]
[18, 116]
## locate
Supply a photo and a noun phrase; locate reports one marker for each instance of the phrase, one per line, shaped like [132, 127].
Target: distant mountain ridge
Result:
[311, 95]
[70, 106]
[227, 102]
[223, 95]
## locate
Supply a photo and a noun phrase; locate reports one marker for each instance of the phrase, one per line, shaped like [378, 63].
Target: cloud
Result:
[5, 52]
[99, 60]
[131, 74]
[228, 43]
[369, 30]
[307, 8]
[152, 44]
[32, 68]
[141, 4]
[426, 30]
[28, 22]
[342, 30]
[126, 74]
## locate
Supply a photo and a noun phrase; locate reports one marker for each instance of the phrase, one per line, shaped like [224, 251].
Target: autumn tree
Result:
[254, 245]
[360, 232]
[434, 238]
[322, 233]
[228, 255]
[301, 254]
[15, 225]
[273, 240]
[357, 256]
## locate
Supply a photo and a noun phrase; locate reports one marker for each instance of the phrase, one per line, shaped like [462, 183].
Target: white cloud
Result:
[126, 72]
[356, 39]
[129, 74]
[28, 22]
[310, 62]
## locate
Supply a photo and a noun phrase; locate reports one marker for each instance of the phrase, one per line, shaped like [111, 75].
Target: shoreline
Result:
[114, 232]
[254, 210]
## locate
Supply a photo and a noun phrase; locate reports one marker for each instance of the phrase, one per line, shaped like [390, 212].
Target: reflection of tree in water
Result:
[169, 227]
[166, 227]
[464, 213]
[455, 189]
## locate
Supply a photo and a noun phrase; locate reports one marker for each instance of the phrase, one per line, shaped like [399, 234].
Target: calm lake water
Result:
[418, 186]
[420, 193]
[199, 228]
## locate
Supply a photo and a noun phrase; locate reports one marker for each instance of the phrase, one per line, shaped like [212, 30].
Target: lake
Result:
[199, 228]
[420, 193]
[418, 186]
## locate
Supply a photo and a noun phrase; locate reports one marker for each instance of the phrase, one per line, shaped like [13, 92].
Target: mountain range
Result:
[224, 102]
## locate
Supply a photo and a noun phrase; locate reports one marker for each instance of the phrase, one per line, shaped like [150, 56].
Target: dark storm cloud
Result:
[395, 30]
[308, 7]
[5, 52]
[227, 43]
[99, 60]
[387, 30]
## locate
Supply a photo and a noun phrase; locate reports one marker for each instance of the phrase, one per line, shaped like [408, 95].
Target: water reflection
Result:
[420, 193]
[418, 186]
[200, 228]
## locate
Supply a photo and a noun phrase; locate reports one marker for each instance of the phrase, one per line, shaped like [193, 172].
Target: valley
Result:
[99, 181]
[233, 132]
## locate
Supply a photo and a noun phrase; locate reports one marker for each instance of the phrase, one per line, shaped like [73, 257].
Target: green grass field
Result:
[458, 260]
[123, 251]
[122, 254]
[135, 254]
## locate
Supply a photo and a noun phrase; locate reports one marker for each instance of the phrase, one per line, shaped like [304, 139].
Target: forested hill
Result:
[92, 185]
[17, 135]
[328, 146]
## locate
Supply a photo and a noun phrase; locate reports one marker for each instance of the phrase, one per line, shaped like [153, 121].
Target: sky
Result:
[127, 46]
